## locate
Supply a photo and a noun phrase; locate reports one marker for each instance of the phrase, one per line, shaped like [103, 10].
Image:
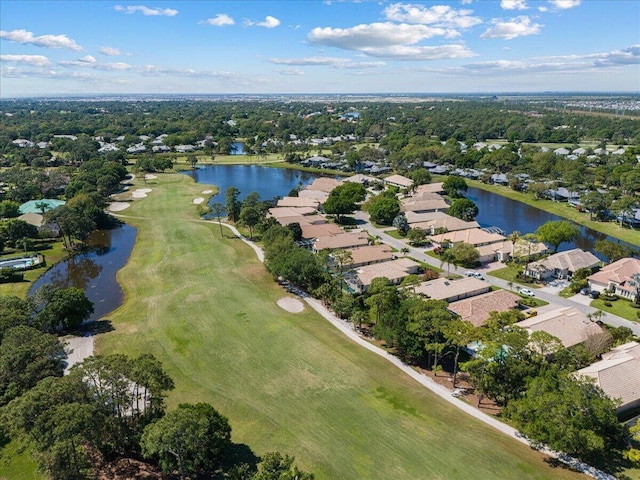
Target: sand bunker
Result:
[198, 200]
[118, 206]
[140, 192]
[292, 305]
[78, 349]
[149, 176]
[207, 192]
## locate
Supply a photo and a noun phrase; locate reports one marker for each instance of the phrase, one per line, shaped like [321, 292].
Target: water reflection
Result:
[95, 271]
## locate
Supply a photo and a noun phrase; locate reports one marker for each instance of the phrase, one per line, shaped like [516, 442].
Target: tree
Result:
[383, 209]
[459, 333]
[464, 254]
[250, 216]
[454, 185]
[192, 160]
[274, 466]
[464, 209]
[192, 438]
[14, 311]
[420, 176]
[556, 232]
[417, 236]
[596, 203]
[612, 250]
[9, 209]
[27, 356]
[232, 204]
[401, 224]
[568, 414]
[447, 257]
[66, 309]
[623, 207]
[343, 198]
[218, 209]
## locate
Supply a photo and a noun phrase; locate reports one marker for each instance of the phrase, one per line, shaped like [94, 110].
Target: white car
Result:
[526, 291]
[478, 275]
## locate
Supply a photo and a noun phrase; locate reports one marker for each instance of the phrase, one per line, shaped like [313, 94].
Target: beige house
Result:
[369, 255]
[568, 324]
[399, 181]
[562, 264]
[341, 240]
[309, 232]
[395, 271]
[314, 195]
[452, 290]
[618, 375]
[617, 278]
[363, 179]
[432, 221]
[297, 202]
[492, 246]
[323, 184]
[429, 188]
[477, 309]
[423, 206]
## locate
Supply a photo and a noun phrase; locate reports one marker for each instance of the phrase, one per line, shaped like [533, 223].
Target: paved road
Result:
[608, 318]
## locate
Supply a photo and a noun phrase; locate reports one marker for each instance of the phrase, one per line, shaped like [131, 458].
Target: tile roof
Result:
[310, 232]
[477, 309]
[394, 270]
[298, 202]
[568, 324]
[444, 289]
[618, 272]
[399, 180]
[342, 240]
[370, 254]
[323, 184]
[571, 260]
[473, 236]
[424, 205]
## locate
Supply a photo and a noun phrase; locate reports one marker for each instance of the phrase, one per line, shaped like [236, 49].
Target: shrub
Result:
[432, 275]
[608, 304]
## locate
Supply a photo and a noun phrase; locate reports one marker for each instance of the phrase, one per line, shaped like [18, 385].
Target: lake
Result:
[267, 181]
[510, 215]
[95, 271]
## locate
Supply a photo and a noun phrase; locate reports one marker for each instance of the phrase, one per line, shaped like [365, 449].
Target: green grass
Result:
[563, 210]
[510, 275]
[17, 465]
[619, 307]
[291, 382]
[52, 256]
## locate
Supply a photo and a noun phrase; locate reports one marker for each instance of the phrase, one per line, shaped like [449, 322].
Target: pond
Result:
[95, 271]
[268, 182]
[510, 215]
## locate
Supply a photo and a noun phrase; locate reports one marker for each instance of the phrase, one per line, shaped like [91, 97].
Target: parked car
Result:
[532, 312]
[594, 294]
[585, 291]
[478, 275]
[469, 273]
[527, 292]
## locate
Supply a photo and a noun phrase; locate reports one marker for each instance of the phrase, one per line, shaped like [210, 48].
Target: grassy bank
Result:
[563, 210]
[206, 307]
[52, 256]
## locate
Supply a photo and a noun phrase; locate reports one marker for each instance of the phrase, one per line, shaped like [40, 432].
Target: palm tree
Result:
[218, 209]
[447, 257]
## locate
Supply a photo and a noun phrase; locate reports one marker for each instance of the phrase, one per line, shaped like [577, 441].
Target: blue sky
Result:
[179, 46]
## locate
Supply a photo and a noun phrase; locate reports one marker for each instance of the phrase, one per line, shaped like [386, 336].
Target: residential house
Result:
[395, 271]
[618, 375]
[323, 184]
[184, 148]
[562, 264]
[23, 143]
[453, 290]
[424, 206]
[398, 181]
[309, 232]
[430, 188]
[617, 277]
[432, 222]
[365, 180]
[341, 240]
[567, 324]
[478, 238]
[561, 151]
[369, 255]
[478, 309]
[298, 202]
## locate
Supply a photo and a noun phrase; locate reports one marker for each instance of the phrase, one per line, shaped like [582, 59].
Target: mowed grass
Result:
[207, 309]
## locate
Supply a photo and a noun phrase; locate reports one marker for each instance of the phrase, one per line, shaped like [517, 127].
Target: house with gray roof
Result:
[562, 264]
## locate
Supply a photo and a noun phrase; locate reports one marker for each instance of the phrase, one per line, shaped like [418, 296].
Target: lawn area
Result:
[510, 275]
[17, 465]
[619, 307]
[52, 256]
[207, 309]
[563, 210]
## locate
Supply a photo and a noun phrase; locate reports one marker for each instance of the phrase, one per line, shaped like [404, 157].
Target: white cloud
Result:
[513, 28]
[146, 11]
[289, 71]
[514, 4]
[373, 35]
[438, 15]
[467, 2]
[269, 22]
[35, 60]
[221, 20]
[334, 62]
[90, 62]
[564, 4]
[88, 59]
[110, 51]
[415, 52]
[47, 41]
[543, 9]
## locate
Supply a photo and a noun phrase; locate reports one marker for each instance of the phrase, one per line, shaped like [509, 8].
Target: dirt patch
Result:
[292, 305]
[207, 192]
[77, 348]
[118, 206]
[198, 201]
[140, 192]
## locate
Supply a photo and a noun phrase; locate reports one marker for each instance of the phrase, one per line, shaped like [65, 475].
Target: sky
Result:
[333, 46]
